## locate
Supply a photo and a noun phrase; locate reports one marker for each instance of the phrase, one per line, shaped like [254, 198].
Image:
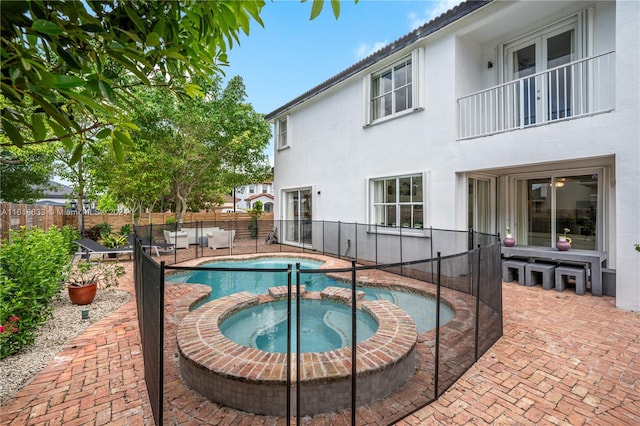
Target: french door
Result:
[298, 216]
[545, 85]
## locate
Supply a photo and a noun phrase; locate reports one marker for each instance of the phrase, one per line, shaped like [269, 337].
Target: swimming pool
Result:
[223, 283]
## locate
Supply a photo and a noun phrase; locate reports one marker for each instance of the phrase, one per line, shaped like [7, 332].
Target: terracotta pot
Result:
[509, 241]
[82, 295]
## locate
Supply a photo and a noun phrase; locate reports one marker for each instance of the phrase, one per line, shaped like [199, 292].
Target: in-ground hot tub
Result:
[254, 380]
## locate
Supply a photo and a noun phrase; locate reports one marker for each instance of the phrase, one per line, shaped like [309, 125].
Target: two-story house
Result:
[518, 114]
[247, 195]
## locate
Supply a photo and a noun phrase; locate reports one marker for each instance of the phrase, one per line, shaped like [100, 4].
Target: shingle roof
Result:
[430, 27]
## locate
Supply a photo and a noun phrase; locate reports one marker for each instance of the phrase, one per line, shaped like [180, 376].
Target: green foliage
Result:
[255, 213]
[125, 229]
[203, 147]
[93, 233]
[104, 228]
[69, 235]
[257, 210]
[170, 220]
[114, 240]
[68, 67]
[107, 204]
[25, 173]
[71, 59]
[86, 272]
[34, 264]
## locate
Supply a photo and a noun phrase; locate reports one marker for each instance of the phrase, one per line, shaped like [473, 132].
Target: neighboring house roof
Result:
[261, 194]
[56, 194]
[425, 30]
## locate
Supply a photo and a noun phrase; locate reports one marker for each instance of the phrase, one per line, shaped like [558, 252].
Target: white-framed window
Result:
[399, 201]
[393, 90]
[282, 133]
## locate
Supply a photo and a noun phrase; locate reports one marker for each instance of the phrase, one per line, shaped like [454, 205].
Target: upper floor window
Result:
[391, 90]
[394, 89]
[281, 133]
[399, 201]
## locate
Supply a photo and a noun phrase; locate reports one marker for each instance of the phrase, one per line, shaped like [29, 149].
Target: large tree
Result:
[191, 151]
[67, 59]
[25, 173]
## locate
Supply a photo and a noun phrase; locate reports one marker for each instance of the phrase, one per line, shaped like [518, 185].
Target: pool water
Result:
[264, 326]
[223, 283]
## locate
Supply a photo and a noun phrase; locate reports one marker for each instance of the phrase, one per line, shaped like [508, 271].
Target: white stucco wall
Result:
[331, 152]
[625, 139]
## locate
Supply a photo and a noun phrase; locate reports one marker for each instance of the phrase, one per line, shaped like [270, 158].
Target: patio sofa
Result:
[179, 239]
[221, 238]
[194, 233]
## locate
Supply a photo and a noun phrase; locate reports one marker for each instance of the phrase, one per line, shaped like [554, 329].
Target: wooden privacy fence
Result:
[118, 220]
[13, 216]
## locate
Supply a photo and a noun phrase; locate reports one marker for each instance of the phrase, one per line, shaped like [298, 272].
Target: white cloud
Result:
[366, 49]
[435, 9]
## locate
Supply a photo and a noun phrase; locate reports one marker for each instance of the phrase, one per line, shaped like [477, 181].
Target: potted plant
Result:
[509, 241]
[564, 242]
[85, 277]
[113, 240]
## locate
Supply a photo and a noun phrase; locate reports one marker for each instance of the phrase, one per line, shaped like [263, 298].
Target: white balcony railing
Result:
[580, 88]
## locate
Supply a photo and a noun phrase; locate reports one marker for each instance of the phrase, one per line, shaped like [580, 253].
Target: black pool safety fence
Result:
[434, 295]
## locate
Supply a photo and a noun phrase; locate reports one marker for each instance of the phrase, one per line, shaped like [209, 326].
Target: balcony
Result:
[577, 89]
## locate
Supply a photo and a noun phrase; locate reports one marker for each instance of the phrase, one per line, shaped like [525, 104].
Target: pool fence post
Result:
[356, 243]
[475, 356]
[298, 343]
[354, 341]
[431, 250]
[339, 239]
[437, 355]
[288, 344]
[401, 265]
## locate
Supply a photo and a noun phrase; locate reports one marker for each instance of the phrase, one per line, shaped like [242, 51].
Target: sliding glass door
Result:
[549, 206]
[298, 216]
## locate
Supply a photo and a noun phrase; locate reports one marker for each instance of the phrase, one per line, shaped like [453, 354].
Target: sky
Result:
[292, 54]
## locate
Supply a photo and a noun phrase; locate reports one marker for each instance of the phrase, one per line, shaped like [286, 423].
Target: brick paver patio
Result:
[563, 359]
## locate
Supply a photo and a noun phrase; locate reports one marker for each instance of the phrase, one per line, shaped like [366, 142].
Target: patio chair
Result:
[88, 247]
[178, 239]
[148, 244]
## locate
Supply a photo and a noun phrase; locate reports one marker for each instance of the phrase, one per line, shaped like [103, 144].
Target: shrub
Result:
[70, 234]
[95, 232]
[104, 228]
[33, 265]
[125, 229]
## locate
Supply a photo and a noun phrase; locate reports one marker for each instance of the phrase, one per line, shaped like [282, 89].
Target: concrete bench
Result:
[540, 273]
[511, 268]
[563, 273]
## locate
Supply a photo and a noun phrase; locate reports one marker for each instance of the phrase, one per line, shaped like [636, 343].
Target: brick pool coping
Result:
[255, 381]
